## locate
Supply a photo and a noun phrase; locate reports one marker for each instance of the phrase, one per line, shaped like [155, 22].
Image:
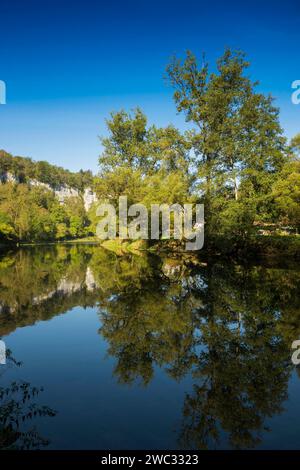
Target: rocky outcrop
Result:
[90, 281]
[39, 184]
[65, 192]
[89, 198]
[8, 178]
[62, 193]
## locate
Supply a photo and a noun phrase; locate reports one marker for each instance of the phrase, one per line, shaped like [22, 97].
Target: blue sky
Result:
[67, 65]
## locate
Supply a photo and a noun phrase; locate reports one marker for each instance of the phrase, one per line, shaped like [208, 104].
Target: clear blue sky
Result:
[68, 64]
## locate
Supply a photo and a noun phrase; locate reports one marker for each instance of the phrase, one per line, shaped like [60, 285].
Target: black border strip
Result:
[235, 457]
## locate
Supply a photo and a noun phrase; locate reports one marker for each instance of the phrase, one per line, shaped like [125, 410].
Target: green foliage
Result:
[295, 144]
[286, 193]
[24, 169]
[236, 137]
[126, 143]
[147, 164]
[131, 144]
[234, 220]
[168, 188]
[122, 181]
[34, 214]
[6, 229]
[232, 159]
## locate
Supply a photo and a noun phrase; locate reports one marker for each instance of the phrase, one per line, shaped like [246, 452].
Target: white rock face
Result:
[90, 281]
[62, 193]
[32, 182]
[89, 198]
[65, 192]
[8, 178]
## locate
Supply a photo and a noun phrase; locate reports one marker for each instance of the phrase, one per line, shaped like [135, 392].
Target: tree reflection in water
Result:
[17, 409]
[229, 326]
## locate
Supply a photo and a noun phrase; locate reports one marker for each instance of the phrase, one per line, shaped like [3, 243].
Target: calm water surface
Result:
[138, 351]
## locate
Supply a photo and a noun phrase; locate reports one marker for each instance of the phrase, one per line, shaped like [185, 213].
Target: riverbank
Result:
[267, 246]
[260, 245]
[93, 240]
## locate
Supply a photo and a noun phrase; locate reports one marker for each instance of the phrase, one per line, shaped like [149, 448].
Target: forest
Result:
[234, 158]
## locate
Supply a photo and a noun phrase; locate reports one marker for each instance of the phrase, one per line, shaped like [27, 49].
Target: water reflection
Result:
[228, 326]
[18, 409]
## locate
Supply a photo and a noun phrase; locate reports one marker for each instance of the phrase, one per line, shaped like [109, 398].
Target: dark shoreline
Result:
[268, 247]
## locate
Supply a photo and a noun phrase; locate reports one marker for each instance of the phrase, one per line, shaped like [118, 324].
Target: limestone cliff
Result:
[62, 193]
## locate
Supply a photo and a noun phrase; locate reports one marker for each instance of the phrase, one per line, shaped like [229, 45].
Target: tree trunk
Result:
[236, 190]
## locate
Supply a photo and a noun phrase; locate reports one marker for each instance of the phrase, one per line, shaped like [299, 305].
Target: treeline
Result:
[234, 158]
[32, 214]
[25, 169]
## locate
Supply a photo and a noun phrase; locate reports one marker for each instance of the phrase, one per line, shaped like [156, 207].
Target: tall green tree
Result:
[236, 135]
[146, 163]
[295, 144]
